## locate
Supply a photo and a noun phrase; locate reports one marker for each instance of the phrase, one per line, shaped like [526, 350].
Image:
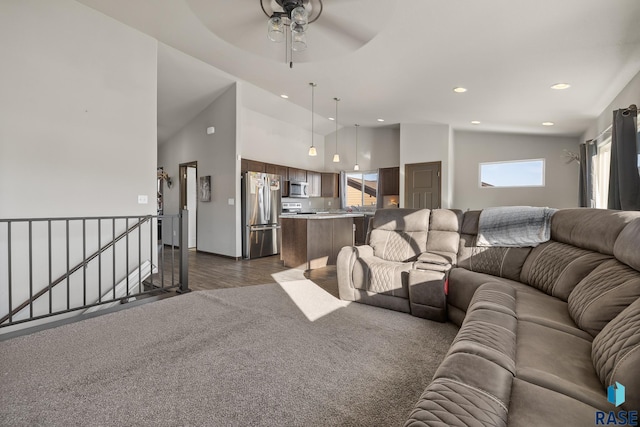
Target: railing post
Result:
[183, 229]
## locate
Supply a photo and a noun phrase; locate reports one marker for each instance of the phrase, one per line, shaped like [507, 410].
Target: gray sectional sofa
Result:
[544, 331]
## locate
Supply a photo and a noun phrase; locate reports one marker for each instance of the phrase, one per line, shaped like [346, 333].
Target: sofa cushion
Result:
[578, 227]
[496, 296]
[532, 405]
[547, 311]
[627, 244]
[556, 268]
[497, 261]
[450, 403]
[603, 294]
[479, 373]
[560, 355]
[444, 236]
[490, 334]
[616, 354]
[399, 234]
[464, 283]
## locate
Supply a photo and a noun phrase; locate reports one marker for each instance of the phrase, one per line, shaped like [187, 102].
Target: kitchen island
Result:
[313, 241]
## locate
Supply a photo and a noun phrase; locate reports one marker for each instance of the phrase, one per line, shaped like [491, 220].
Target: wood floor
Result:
[208, 271]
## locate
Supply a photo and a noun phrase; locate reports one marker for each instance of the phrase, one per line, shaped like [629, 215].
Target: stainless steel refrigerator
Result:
[261, 199]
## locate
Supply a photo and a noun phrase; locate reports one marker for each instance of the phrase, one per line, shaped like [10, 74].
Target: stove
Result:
[291, 207]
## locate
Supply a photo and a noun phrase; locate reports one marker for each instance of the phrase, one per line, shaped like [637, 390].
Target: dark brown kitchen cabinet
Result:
[314, 243]
[283, 171]
[330, 185]
[389, 181]
[298, 175]
[315, 183]
[247, 165]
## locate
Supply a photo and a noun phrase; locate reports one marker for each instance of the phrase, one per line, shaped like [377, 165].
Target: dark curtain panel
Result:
[587, 196]
[624, 181]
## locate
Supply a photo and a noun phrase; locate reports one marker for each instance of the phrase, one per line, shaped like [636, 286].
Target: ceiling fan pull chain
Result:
[291, 53]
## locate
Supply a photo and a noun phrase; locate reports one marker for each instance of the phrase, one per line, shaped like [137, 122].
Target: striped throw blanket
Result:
[514, 226]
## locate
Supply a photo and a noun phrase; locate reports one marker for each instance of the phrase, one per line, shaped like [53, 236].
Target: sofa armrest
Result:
[435, 258]
[345, 261]
[344, 266]
[433, 261]
[363, 251]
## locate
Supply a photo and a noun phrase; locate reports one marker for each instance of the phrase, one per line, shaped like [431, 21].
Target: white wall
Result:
[472, 148]
[629, 95]
[216, 156]
[77, 112]
[378, 147]
[77, 138]
[427, 143]
[270, 140]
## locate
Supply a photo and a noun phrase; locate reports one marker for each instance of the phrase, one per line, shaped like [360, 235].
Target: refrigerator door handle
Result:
[266, 227]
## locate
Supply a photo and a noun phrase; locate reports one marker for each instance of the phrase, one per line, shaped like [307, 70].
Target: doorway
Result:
[189, 198]
[422, 185]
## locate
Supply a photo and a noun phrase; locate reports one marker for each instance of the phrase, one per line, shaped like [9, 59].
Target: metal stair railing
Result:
[181, 286]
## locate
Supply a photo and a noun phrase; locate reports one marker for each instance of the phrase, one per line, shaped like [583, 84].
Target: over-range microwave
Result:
[298, 189]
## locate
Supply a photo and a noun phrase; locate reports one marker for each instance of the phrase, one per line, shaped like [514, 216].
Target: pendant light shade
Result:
[336, 156]
[312, 149]
[357, 166]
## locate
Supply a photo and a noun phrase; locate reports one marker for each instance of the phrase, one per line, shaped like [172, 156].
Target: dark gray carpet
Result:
[268, 355]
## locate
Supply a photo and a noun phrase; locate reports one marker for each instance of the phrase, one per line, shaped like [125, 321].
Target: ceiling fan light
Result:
[298, 41]
[275, 29]
[336, 158]
[300, 16]
[313, 151]
[298, 28]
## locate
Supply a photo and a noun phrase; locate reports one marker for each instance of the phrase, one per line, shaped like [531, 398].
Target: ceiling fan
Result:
[332, 27]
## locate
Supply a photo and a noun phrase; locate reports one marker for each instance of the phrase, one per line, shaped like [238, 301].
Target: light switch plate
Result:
[231, 202]
[143, 199]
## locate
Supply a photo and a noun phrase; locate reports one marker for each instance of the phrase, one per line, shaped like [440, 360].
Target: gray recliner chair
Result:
[400, 242]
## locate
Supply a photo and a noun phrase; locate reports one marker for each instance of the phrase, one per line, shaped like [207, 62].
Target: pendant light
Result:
[357, 166]
[336, 157]
[312, 149]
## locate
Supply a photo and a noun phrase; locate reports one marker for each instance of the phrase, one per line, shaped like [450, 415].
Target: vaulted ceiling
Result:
[400, 60]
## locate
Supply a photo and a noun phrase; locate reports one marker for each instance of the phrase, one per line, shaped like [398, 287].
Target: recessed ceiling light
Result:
[561, 86]
[284, 96]
[459, 89]
[548, 123]
[381, 120]
[475, 122]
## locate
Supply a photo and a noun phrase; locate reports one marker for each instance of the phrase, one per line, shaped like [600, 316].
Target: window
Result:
[360, 189]
[601, 164]
[516, 173]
